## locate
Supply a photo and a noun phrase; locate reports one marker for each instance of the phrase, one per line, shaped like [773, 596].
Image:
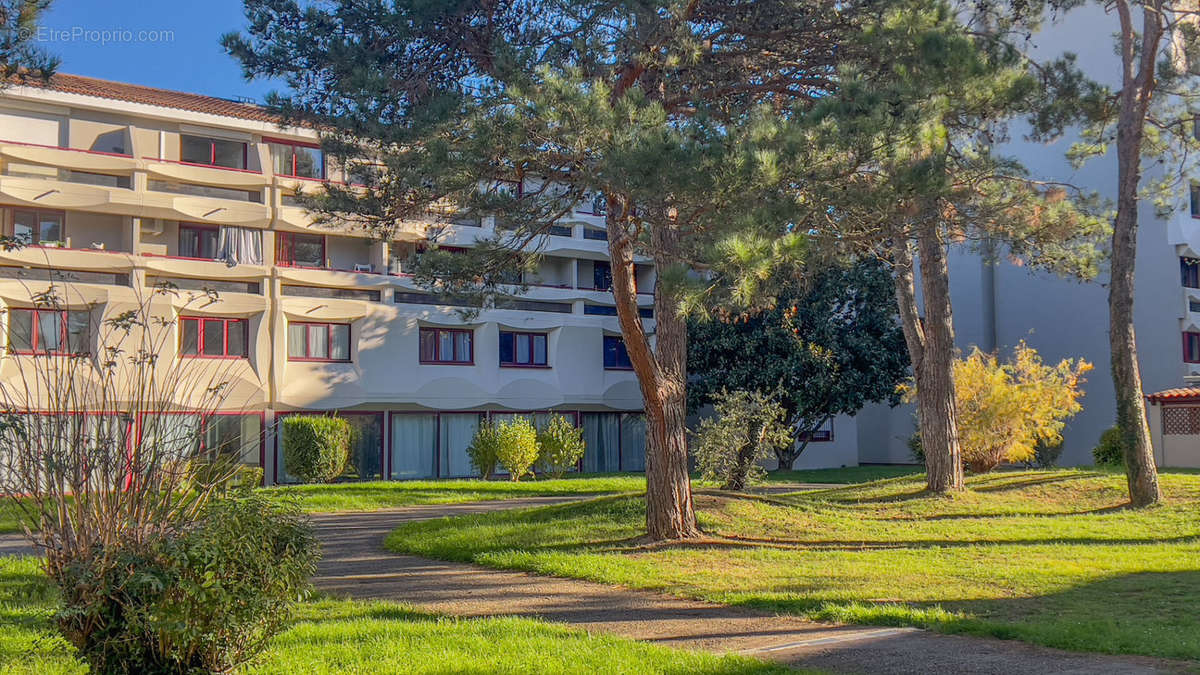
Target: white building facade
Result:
[118, 188]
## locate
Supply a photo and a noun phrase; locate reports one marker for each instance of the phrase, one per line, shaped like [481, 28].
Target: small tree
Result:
[825, 350]
[561, 446]
[518, 447]
[102, 452]
[484, 450]
[1007, 409]
[747, 427]
[316, 448]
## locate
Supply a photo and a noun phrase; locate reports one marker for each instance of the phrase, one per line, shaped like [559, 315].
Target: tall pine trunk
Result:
[931, 351]
[1136, 92]
[662, 376]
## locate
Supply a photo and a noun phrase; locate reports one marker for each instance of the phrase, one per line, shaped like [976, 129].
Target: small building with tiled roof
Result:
[1174, 416]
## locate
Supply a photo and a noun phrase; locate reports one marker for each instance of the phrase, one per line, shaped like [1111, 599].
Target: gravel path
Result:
[356, 565]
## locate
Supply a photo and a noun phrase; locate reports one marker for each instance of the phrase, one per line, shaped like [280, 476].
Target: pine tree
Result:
[643, 106]
[899, 163]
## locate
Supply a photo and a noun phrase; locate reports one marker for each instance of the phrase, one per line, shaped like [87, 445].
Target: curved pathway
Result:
[356, 565]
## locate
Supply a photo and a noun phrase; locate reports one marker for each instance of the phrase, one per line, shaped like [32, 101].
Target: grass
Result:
[373, 496]
[848, 474]
[340, 636]
[1048, 557]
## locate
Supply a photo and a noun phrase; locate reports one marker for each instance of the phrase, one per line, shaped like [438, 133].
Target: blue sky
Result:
[160, 43]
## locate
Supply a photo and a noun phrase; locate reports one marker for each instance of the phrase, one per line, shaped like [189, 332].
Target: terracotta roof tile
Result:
[134, 93]
[1177, 394]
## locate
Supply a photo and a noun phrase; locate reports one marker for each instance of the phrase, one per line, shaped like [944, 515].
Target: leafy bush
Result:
[1047, 455]
[204, 599]
[1005, 410]
[484, 449]
[747, 427]
[561, 446]
[518, 446]
[1109, 451]
[316, 448]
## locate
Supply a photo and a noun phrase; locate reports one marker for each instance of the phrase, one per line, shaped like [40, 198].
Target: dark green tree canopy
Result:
[824, 351]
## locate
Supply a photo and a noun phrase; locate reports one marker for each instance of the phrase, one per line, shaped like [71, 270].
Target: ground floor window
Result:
[615, 442]
[235, 436]
[366, 449]
[421, 445]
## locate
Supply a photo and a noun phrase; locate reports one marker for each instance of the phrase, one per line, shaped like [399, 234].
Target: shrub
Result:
[484, 449]
[1046, 455]
[560, 446]
[518, 447]
[316, 448]
[747, 427]
[204, 599]
[1109, 451]
[1005, 410]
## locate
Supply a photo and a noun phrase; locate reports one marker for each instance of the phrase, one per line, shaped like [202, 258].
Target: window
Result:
[318, 341]
[34, 226]
[297, 161]
[299, 250]
[213, 337]
[1191, 347]
[1195, 201]
[601, 276]
[522, 349]
[49, 331]
[113, 142]
[212, 152]
[446, 345]
[198, 241]
[821, 434]
[615, 355]
[1189, 272]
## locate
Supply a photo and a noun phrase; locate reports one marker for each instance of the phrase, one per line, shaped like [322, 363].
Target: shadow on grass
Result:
[1150, 613]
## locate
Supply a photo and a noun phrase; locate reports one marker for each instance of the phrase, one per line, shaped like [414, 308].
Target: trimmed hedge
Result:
[316, 448]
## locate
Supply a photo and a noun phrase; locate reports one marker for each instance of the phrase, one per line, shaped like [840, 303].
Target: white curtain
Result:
[414, 445]
[171, 436]
[601, 435]
[457, 430]
[240, 245]
[633, 443]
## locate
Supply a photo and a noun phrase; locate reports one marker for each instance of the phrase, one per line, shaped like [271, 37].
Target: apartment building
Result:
[118, 189]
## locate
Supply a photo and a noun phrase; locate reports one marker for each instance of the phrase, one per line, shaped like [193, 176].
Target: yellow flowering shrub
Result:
[1006, 409]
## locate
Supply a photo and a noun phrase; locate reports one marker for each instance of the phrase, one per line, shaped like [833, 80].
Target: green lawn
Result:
[338, 636]
[372, 496]
[389, 494]
[1044, 556]
[849, 474]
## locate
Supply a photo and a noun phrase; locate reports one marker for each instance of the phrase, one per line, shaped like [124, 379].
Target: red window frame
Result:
[198, 227]
[820, 435]
[1191, 339]
[228, 322]
[293, 145]
[212, 152]
[37, 216]
[513, 361]
[285, 249]
[437, 357]
[328, 341]
[64, 338]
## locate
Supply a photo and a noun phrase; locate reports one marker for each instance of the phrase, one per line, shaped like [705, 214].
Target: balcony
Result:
[203, 174]
[75, 241]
